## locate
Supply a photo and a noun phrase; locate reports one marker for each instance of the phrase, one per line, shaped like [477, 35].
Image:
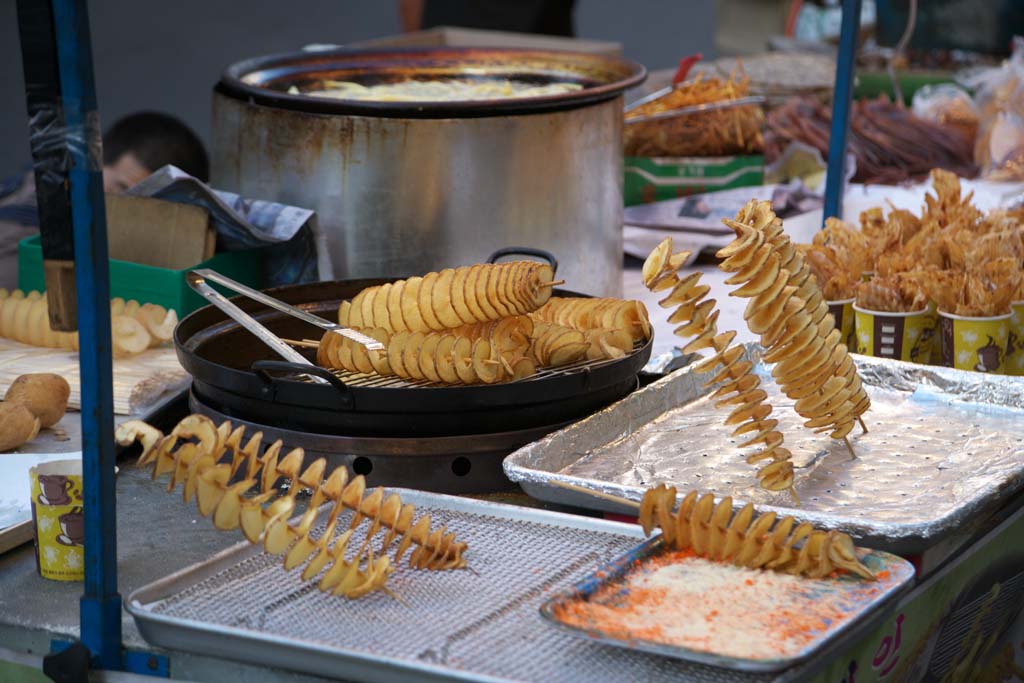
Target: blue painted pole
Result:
[846, 62]
[100, 607]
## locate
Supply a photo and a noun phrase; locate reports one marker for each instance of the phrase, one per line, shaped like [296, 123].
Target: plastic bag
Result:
[947, 104]
[999, 146]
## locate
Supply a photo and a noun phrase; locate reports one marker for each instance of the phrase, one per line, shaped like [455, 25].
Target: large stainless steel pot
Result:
[407, 187]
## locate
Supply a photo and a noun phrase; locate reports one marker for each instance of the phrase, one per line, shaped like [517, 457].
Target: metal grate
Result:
[375, 381]
[483, 622]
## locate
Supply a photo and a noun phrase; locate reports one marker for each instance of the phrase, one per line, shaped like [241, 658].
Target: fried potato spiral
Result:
[134, 327]
[714, 532]
[585, 314]
[236, 485]
[451, 357]
[788, 311]
[740, 389]
[451, 298]
[552, 345]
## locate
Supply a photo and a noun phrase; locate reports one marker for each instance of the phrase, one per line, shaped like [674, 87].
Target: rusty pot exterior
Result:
[399, 193]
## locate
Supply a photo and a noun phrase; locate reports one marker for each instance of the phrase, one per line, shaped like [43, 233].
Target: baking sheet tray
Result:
[746, 619]
[945, 448]
[481, 625]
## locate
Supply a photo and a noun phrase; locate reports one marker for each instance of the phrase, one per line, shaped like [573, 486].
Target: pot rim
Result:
[608, 77]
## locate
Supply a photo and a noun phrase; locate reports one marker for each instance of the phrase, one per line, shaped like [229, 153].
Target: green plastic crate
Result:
[651, 179]
[147, 284]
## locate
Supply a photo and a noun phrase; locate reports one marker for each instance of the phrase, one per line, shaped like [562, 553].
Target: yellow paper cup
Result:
[58, 520]
[902, 336]
[936, 355]
[842, 313]
[977, 344]
[1013, 364]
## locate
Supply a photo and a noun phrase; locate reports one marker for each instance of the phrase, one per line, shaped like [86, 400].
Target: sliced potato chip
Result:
[426, 302]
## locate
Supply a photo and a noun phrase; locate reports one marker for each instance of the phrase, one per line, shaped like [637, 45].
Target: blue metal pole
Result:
[835, 183]
[100, 608]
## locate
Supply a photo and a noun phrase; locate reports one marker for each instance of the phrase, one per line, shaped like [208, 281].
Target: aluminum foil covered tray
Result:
[945, 448]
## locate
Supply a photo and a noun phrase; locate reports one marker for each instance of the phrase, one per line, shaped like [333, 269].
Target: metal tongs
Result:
[197, 280]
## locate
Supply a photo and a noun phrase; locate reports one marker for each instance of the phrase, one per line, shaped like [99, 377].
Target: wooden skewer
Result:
[597, 494]
[305, 343]
[862, 425]
[553, 283]
[849, 447]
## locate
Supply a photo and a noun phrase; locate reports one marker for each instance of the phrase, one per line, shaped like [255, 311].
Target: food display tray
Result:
[765, 605]
[944, 449]
[480, 624]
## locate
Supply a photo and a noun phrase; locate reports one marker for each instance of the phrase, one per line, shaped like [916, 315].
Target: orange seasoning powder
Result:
[676, 598]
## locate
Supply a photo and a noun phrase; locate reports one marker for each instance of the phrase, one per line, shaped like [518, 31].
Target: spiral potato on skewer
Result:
[235, 485]
[786, 308]
[740, 389]
[764, 542]
[450, 357]
[451, 298]
[586, 314]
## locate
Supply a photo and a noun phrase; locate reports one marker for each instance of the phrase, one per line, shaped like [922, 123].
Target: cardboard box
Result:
[651, 179]
[453, 36]
[158, 233]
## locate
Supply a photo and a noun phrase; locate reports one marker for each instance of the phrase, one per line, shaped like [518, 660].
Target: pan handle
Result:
[263, 368]
[525, 251]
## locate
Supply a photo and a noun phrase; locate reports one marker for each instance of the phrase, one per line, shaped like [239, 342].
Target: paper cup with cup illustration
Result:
[1013, 363]
[975, 343]
[974, 316]
[893, 320]
[57, 515]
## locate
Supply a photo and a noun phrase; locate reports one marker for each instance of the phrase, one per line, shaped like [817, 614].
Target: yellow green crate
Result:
[147, 284]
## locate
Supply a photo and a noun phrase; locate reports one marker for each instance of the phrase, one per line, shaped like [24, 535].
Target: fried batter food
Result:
[134, 327]
[237, 486]
[740, 389]
[451, 298]
[788, 311]
[714, 532]
[586, 314]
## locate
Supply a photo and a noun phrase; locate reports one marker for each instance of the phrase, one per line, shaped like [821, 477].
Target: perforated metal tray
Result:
[481, 624]
[945, 449]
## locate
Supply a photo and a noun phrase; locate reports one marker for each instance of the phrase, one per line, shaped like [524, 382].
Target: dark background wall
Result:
[155, 54]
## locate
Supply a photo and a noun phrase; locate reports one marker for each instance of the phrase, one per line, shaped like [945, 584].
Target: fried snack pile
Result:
[812, 365]
[718, 130]
[714, 532]
[967, 262]
[741, 387]
[236, 485]
[134, 327]
[479, 324]
[838, 257]
[899, 293]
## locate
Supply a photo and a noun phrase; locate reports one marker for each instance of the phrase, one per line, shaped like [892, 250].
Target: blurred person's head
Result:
[139, 144]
